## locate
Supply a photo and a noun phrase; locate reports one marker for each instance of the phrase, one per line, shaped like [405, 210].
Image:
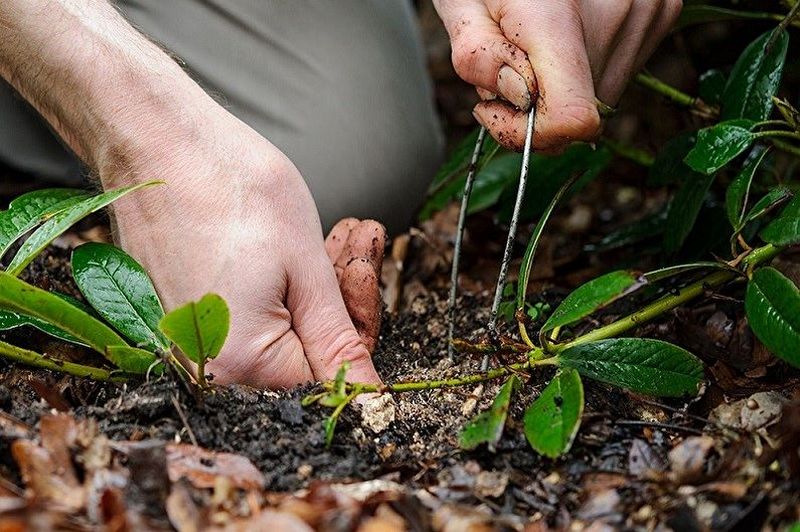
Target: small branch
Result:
[675, 95]
[781, 27]
[785, 146]
[772, 133]
[37, 360]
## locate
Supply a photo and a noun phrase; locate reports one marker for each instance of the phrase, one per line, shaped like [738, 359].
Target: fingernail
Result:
[485, 95]
[513, 87]
[478, 118]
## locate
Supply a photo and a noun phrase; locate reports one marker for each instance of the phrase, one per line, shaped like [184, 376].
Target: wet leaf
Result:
[11, 320]
[198, 328]
[766, 204]
[487, 427]
[739, 190]
[590, 297]
[684, 209]
[711, 86]
[772, 303]
[755, 78]
[19, 296]
[668, 166]
[784, 230]
[641, 365]
[719, 144]
[29, 210]
[121, 292]
[552, 420]
[62, 221]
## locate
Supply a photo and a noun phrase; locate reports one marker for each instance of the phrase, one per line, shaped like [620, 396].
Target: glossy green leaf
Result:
[198, 328]
[62, 221]
[590, 297]
[668, 166]
[671, 271]
[704, 13]
[638, 231]
[772, 303]
[755, 78]
[684, 209]
[121, 292]
[739, 190]
[766, 204]
[711, 86]
[784, 230]
[29, 210]
[135, 360]
[641, 365]
[11, 320]
[19, 296]
[552, 420]
[487, 427]
[719, 144]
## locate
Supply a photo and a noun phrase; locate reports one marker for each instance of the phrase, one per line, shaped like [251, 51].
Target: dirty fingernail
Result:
[513, 87]
[485, 95]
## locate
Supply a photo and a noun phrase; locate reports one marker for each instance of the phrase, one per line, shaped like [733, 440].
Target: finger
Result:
[366, 240]
[551, 33]
[602, 24]
[670, 11]
[483, 56]
[337, 238]
[362, 297]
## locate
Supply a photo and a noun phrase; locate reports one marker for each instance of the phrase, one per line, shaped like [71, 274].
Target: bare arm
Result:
[235, 217]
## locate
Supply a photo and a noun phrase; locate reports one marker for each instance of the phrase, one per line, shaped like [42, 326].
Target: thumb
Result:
[321, 321]
[483, 56]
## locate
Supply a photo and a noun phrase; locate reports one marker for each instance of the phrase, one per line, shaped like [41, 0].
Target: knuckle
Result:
[465, 58]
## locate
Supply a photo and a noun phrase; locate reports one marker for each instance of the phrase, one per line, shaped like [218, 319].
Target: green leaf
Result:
[711, 86]
[591, 296]
[11, 320]
[755, 78]
[772, 303]
[739, 190]
[487, 427]
[135, 360]
[702, 13]
[448, 183]
[717, 145]
[338, 393]
[638, 231]
[668, 166]
[198, 328]
[62, 221]
[492, 180]
[533, 243]
[784, 230]
[766, 204]
[19, 296]
[552, 420]
[641, 365]
[121, 292]
[670, 271]
[29, 210]
[684, 209]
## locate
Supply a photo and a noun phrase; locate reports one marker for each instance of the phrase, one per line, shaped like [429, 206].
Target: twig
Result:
[184, 420]
[675, 95]
[462, 216]
[781, 27]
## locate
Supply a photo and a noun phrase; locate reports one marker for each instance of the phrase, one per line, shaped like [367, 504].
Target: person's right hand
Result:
[565, 52]
[236, 218]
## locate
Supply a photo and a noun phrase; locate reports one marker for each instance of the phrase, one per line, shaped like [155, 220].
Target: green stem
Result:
[785, 146]
[667, 303]
[673, 94]
[773, 123]
[780, 28]
[777, 133]
[651, 311]
[37, 360]
[626, 151]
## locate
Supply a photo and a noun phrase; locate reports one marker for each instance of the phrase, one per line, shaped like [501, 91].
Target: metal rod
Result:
[512, 230]
[462, 216]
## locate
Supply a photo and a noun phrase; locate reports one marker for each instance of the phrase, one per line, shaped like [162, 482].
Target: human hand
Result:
[567, 52]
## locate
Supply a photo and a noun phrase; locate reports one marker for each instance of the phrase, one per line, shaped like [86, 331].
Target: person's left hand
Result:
[566, 52]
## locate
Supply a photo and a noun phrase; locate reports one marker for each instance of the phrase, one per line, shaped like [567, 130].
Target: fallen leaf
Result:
[688, 459]
[202, 467]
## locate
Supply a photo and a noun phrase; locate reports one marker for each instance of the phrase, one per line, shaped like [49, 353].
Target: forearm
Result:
[102, 86]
